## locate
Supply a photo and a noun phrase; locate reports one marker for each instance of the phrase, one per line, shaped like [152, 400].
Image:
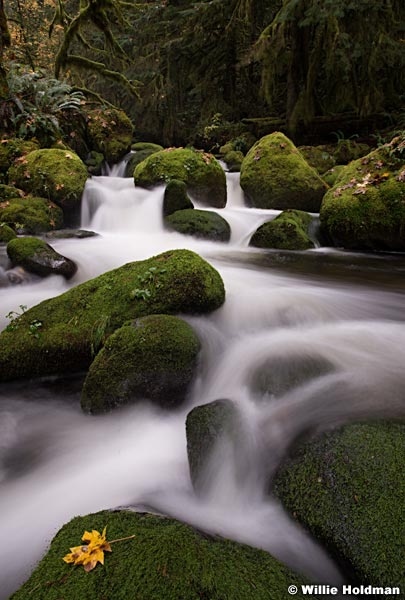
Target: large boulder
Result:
[274, 174]
[175, 197]
[365, 209]
[204, 224]
[347, 488]
[153, 357]
[166, 560]
[37, 257]
[201, 172]
[288, 231]
[110, 132]
[76, 323]
[52, 173]
[31, 215]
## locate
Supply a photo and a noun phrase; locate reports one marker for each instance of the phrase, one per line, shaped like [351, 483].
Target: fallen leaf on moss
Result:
[92, 552]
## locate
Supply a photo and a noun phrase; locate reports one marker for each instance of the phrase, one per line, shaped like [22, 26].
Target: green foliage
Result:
[34, 326]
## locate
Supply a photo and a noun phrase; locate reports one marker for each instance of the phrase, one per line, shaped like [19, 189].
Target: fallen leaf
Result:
[92, 551]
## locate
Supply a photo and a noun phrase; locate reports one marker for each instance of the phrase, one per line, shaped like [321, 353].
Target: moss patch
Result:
[12, 149]
[59, 175]
[200, 223]
[8, 191]
[201, 172]
[6, 233]
[233, 160]
[136, 158]
[110, 132]
[274, 174]
[348, 488]
[176, 198]
[76, 323]
[365, 209]
[167, 560]
[289, 231]
[139, 146]
[154, 357]
[31, 215]
[318, 157]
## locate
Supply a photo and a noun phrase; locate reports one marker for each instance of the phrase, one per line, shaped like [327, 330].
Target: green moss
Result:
[201, 224]
[205, 426]
[94, 162]
[289, 231]
[167, 560]
[348, 150]
[154, 357]
[12, 149]
[8, 191]
[38, 257]
[201, 172]
[76, 323]
[6, 233]
[331, 176]
[233, 160]
[55, 174]
[318, 157]
[31, 215]
[176, 198]
[137, 157]
[110, 132]
[348, 488]
[365, 209]
[275, 175]
[139, 146]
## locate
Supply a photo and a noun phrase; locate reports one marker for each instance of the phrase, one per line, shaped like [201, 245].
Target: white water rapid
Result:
[340, 310]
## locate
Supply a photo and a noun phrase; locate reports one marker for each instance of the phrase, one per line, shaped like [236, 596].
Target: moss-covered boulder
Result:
[12, 149]
[176, 198]
[202, 173]
[136, 158]
[233, 160]
[204, 224]
[318, 157]
[59, 175]
[8, 191]
[139, 146]
[365, 209]
[152, 358]
[31, 215]
[331, 176]
[206, 426]
[94, 162]
[348, 488]
[35, 256]
[6, 233]
[110, 132]
[76, 323]
[241, 143]
[166, 560]
[274, 174]
[288, 231]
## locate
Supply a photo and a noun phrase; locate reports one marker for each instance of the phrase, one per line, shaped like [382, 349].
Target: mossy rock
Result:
[318, 157]
[6, 233]
[110, 132]
[8, 191]
[94, 162]
[348, 150]
[76, 323]
[204, 224]
[332, 175]
[139, 146]
[166, 560]
[31, 215]
[347, 488]
[274, 174]
[57, 174]
[206, 426]
[233, 160]
[37, 257]
[12, 149]
[176, 198]
[153, 358]
[365, 209]
[288, 231]
[201, 172]
[136, 158]
[242, 143]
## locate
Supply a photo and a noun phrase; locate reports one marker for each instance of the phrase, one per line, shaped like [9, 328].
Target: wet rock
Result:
[288, 231]
[176, 198]
[62, 234]
[37, 257]
[153, 358]
[204, 224]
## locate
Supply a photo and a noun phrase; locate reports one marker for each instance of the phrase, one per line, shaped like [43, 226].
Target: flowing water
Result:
[341, 313]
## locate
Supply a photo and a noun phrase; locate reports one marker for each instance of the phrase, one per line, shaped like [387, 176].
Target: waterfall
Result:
[56, 463]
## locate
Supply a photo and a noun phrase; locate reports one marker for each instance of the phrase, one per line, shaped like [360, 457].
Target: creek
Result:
[322, 305]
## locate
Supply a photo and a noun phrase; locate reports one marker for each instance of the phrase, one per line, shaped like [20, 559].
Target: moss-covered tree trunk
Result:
[4, 42]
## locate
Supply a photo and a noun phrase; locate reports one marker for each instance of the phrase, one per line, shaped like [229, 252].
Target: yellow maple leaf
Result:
[92, 552]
